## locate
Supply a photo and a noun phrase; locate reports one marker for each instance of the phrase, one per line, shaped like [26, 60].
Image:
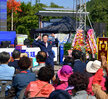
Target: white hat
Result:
[93, 66]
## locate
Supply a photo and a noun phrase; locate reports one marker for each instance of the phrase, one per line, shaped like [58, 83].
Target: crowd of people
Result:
[80, 80]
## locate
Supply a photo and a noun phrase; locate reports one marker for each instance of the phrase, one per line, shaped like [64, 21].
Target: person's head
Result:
[93, 66]
[78, 81]
[45, 74]
[24, 63]
[4, 58]
[45, 37]
[41, 56]
[16, 54]
[64, 73]
[76, 54]
[59, 94]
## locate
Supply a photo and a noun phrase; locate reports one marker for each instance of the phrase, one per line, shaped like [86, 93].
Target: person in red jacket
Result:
[99, 93]
[41, 87]
[92, 67]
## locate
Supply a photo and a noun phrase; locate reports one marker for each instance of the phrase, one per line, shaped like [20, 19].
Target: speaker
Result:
[100, 29]
[5, 44]
[27, 42]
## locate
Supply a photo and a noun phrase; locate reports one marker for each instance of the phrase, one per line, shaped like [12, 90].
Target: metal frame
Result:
[80, 19]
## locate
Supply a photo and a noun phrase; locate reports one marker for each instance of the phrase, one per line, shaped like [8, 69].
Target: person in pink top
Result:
[63, 75]
[92, 67]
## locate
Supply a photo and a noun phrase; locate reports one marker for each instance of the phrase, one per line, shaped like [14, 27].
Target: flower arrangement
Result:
[78, 41]
[90, 43]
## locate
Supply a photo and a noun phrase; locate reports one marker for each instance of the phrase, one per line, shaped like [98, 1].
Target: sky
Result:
[65, 3]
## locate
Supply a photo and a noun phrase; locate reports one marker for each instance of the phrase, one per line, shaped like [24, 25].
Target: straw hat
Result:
[93, 66]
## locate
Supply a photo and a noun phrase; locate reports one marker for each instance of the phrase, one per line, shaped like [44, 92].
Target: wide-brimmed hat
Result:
[93, 66]
[64, 73]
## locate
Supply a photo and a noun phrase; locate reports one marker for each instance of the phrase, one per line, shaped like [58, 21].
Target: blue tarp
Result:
[7, 36]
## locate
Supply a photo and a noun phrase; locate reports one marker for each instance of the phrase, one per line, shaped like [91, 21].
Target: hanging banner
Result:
[91, 42]
[102, 44]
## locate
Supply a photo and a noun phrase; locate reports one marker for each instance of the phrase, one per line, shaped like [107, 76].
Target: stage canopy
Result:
[66, 25]
[60, 13]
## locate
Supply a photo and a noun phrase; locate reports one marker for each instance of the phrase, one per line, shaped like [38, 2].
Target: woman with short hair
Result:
[22, 79]
[41, 87]
[80, 84]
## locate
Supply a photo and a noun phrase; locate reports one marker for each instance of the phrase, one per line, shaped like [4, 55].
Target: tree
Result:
[13, 7]
[98, 10]
[53, 5]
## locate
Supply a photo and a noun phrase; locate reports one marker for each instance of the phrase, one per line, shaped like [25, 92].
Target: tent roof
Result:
[66, 25]
[60, 13]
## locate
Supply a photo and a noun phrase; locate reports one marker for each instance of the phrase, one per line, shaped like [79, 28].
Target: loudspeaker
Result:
[27, 42]
[100, 29]
[5, 44]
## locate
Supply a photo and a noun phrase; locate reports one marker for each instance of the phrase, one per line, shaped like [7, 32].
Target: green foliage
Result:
[67, 47]
[22, 30]
[53, 5]
[98, 10]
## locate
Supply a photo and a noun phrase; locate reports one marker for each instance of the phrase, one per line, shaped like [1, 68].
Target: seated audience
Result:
[41, 87]
[80, 84]
[16, 57]
[41, 58]
[59, 94]
[63, 75]
[22, 79]
[92, 67]
[97, 89]
[6, 72]
[78, 66]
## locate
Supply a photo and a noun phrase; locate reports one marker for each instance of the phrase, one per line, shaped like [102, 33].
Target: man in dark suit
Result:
[46, 47]
[79, 66]
[16, 57]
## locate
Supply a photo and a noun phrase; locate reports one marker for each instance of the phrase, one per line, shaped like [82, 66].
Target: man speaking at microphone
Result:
[46, 47]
